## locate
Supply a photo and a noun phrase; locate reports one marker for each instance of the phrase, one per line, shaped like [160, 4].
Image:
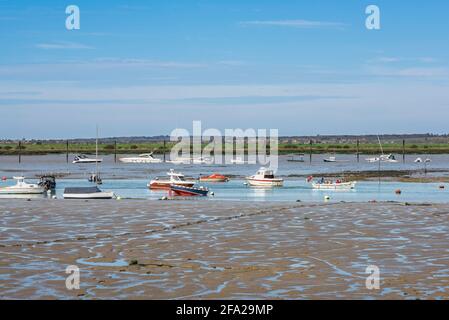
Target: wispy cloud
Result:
[62, 45]
[417, 72]
[303, 24]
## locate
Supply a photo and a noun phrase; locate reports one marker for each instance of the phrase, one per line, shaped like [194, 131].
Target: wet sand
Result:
[211, 249]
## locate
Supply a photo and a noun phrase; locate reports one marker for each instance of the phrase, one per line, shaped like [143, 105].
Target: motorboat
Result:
[264, 178]
[333, 159]
[174, 178]
[215, 177]
[48, 182]
[21, 187]
[141, 158]
[189, 191]
[388, 158]
[296, 158]
[82, 158]
[334, 185]
[87, 193]
[420, 160]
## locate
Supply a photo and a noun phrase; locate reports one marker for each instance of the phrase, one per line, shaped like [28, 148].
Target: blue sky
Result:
[147, 67]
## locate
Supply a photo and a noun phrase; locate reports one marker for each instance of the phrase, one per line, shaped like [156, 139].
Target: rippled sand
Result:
[205, 250]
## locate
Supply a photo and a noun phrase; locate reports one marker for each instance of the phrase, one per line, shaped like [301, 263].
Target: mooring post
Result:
[20, 151]
[403, 150]
[358, 153]
[164, 150]
[67, 151]
[115, 150]
[310, 150]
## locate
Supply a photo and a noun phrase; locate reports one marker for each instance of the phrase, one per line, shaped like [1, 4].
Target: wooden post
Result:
[67, 151]
[403, 151]
[115, 150]
[20, 151]
[358, 153]
[164, 149]
[310, 150]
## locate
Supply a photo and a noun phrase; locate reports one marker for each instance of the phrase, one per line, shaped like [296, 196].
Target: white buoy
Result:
[327, 198]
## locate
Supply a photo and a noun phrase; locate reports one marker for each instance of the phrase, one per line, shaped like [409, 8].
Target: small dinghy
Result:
[216, 177]
[189, 191]
[87, 193]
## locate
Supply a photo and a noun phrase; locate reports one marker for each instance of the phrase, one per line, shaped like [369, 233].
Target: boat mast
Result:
[96, 157]
[380, 144]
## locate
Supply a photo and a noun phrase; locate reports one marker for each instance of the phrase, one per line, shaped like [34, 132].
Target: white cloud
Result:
[304, 24]
[62, 45]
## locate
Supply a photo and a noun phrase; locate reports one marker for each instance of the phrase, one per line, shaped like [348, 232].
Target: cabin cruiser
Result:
[333, 185]
[333, 159]
[21, 187]
[173, 178]
[141, 158]
[389, 158]
[87, 193]
[85, 159]
[264, 178]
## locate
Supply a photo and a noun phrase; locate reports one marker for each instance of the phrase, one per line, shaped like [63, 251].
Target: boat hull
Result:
[265, 182]
[96, 195]
[136, 160]
[12, 190]
[189, 191]
[165, 185]
[334, 186]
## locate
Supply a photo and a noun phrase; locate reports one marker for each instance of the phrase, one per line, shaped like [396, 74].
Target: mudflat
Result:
[132, 249]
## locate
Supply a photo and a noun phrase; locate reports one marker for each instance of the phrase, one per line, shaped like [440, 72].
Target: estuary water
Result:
[130, 180]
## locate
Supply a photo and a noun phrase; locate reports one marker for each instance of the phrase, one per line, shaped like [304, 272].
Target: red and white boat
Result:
[216, 177]
[174, 178]
[264, 178]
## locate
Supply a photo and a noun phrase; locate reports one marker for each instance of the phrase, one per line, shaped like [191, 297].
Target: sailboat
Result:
[388, 158]
[89, 192]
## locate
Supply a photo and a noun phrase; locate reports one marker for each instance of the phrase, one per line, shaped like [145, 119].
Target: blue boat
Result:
[189, 191]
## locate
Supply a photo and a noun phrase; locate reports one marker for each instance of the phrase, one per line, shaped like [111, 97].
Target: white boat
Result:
[141, 158]
[21, 187]
[419, 160]
[330, 185]
[238, 160]
[87, 193]
[388, 158]
[82, 158]
[264, 178]
[173, 178]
